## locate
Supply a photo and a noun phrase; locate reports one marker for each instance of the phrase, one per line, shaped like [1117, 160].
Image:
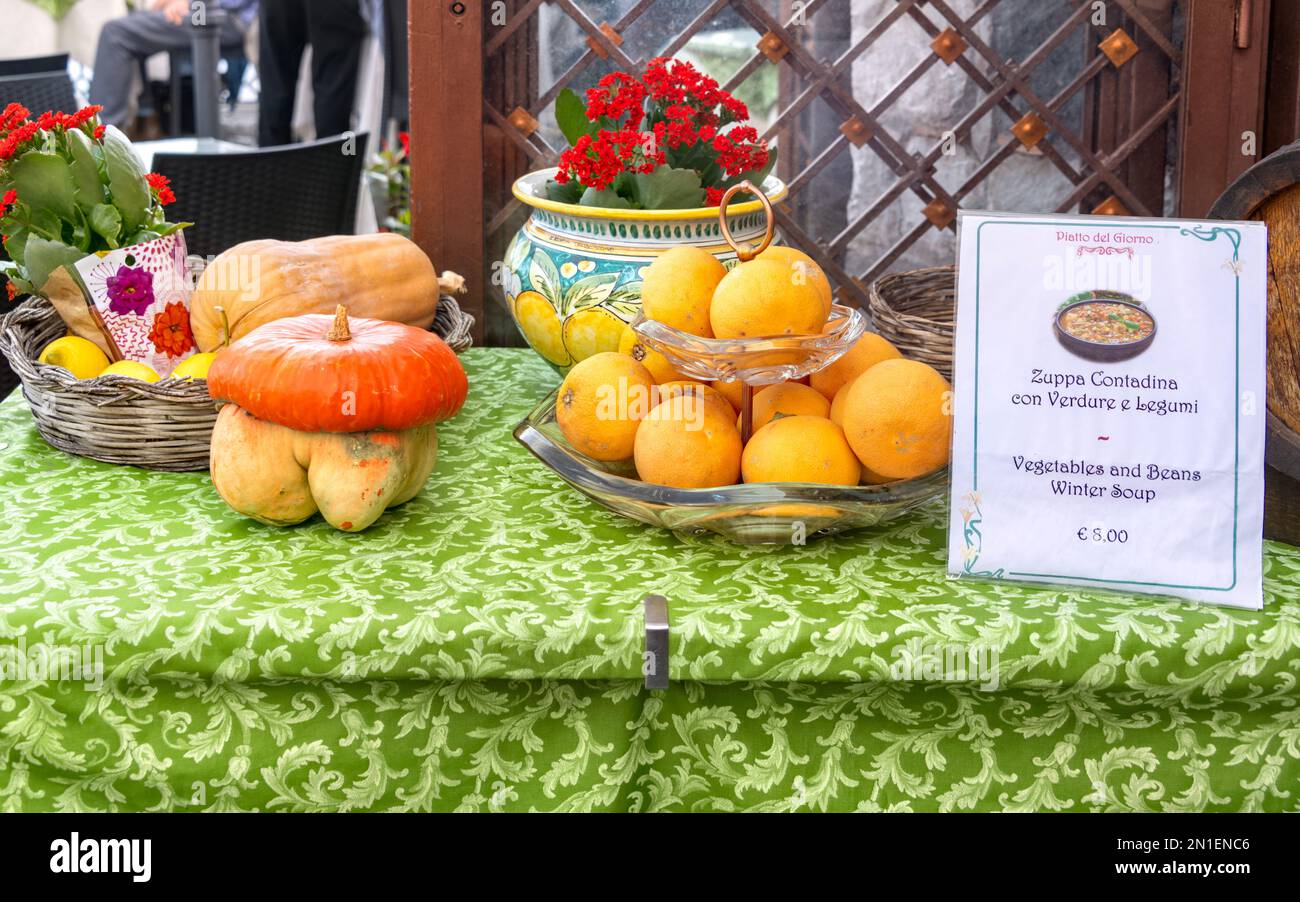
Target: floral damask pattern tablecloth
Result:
[481, 648]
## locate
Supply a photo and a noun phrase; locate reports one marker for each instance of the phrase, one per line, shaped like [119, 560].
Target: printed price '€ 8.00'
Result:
[1102, 536]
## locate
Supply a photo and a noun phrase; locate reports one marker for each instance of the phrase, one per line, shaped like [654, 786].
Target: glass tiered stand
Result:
[755, 513]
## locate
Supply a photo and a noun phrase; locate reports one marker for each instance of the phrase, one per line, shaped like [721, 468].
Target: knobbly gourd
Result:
[383, 276]
[330, 414]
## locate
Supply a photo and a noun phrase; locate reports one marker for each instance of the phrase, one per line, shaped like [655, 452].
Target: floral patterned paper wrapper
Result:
[139, 297]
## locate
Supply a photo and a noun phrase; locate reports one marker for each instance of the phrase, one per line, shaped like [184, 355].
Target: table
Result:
[480, 649]
[146, 150]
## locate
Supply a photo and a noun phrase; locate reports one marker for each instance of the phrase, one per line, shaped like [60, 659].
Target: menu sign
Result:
[1109, 408]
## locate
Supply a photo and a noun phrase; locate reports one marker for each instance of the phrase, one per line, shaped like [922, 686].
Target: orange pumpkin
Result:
[334, 415]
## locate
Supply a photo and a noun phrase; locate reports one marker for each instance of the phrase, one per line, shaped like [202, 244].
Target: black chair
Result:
[288, 193]
[39, 92]
[34, 65]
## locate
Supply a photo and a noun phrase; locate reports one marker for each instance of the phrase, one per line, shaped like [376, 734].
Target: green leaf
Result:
[668, 189]
[568, 193]
[571, 116]
[608, 198]
[141, 237]
[126, 181]
[106, 222]
[168, 228]
[15, 245]
[85, 170]
[43, 257]
[590, 291]
[44, 181]
[545, 277]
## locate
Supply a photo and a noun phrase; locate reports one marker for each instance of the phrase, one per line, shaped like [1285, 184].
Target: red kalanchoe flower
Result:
[99, 132]
[171, 333]
[735, 110]
[85, 114]
[159, 185]
[10, 198]
[9, 288]
[16, 138]
[404, 138]
[617, 95]
[14, 114]
[740, 150]
[713, 197]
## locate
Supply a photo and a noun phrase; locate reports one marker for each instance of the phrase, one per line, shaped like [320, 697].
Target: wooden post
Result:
[446, 69]
[1223, 97]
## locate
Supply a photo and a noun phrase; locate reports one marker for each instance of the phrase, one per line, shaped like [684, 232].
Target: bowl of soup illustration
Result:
[1104, 326]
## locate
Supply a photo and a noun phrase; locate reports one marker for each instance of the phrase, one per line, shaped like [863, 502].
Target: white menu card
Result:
[1109, 404]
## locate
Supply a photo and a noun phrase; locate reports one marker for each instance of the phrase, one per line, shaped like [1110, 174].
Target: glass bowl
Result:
[754, 361]
[760, 513]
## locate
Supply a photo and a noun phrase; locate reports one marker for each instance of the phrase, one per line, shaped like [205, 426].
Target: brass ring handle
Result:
[745, 254]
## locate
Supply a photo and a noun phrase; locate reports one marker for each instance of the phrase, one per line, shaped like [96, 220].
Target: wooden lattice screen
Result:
[1103, 122]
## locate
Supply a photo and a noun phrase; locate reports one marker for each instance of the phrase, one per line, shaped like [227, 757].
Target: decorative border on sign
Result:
[973, 539]
[1203, 233]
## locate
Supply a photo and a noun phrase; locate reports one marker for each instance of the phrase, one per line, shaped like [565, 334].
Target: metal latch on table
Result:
[654, 664]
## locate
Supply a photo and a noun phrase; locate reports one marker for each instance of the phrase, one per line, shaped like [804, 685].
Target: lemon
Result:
[195, 367]
[79, 356]
[542, 327]
[132, 370]
[592, 331]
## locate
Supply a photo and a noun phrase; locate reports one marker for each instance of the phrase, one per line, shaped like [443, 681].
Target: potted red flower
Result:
[83, 225]
[648, 161]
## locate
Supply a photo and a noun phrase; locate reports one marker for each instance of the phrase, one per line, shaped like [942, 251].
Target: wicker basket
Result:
[915, 311]
[118, 420]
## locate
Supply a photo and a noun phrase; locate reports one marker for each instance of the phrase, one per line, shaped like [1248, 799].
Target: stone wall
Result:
[1025, 182]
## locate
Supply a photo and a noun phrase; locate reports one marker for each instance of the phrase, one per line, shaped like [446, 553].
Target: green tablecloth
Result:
[480, 648]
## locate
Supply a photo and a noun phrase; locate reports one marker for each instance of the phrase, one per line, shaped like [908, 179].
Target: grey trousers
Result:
[125, 41]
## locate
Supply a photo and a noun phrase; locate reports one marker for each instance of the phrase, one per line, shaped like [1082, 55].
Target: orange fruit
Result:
[791, 399]
[678, 288]
[866, 352]
[761, 299]
[898, 419]
[837, 406]
[601, 402]
[800, 449]
[870, 477]
[804, 267]
[687, 388]
[688, 445]
[732, 391]
[658, 365]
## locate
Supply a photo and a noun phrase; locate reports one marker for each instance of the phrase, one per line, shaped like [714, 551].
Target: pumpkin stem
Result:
[225, 327]
[452, 283]
[340, 330]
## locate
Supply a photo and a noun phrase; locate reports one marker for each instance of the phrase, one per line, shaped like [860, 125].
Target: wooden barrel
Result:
[1270, 192]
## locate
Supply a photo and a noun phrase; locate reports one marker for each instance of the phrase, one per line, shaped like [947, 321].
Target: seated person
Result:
[125, 41]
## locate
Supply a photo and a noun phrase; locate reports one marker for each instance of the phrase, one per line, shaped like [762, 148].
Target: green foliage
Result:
[106, 222]
[571, 116]
[608, 198]
[126, 182]
[568, 193]
[75, 196]
[43, 257]
[668, 189]
[87, 181]
[45, 180]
